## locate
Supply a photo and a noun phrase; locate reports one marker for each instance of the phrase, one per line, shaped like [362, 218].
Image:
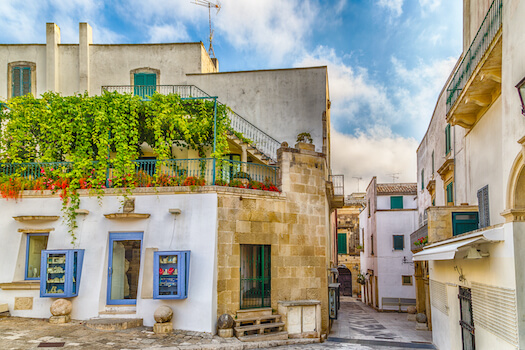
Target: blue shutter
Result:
[396, 202]
[21, 81]
[399, 242]
[450, 193]
[341, 243]
[483, 207]
[464, 222]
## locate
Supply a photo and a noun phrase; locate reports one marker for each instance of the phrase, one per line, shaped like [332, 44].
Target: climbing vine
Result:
[98, 133]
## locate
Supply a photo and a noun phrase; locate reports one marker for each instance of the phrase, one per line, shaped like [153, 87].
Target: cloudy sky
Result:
[387, 59]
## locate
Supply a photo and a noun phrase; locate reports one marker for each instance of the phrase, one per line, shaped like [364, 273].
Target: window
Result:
[483, 204]
[369, 207]
[422, 179]
[341, 244]
[36, 242]
[464, 222]
[450, 193]
[21, 78]
[407, 280]
[448, 142]
[399, 242]
[371, 244]
[145, 84]
[432, 163]
[396, 202]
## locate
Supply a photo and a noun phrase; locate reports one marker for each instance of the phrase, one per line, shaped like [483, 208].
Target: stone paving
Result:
[358, 327]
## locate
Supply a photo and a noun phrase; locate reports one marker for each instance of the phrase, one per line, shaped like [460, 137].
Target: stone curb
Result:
[239, 345]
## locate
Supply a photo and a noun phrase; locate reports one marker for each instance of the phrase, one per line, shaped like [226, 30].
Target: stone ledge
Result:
[21, 285]
[25, 218]
[299, 302]
[124, 216]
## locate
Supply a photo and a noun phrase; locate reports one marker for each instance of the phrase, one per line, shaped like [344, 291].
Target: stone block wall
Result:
[440, 221]
[294, 223]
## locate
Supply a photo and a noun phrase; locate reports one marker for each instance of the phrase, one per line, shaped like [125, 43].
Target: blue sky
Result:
[387, 59]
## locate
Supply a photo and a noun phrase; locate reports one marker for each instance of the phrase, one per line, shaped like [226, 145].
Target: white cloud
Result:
[395, 7]
[429, 5]
[168, 33]
[378, 153]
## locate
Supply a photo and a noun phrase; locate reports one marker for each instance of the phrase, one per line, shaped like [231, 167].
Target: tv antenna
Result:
[209, 5]
[358, 179]
[395, 176]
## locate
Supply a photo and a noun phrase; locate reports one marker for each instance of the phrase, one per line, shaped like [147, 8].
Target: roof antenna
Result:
[209, 5]
[395, 176]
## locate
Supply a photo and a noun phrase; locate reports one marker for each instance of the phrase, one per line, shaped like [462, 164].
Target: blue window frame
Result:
[60, 272]
[21, 81]
[36, 243]
[396, 202]
[125, 251]
[171, 274]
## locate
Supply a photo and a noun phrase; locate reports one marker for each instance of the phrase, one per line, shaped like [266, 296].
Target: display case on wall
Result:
[171, 274]
[60, 273]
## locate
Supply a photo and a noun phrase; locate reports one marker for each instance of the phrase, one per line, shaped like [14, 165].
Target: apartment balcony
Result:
[262, 146]
[335, 189]
[419, 238]
[477, 81]
[450, 221]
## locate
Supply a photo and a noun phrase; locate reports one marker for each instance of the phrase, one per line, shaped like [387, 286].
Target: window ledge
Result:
[24, 218]
[126, 216]
[21, 285]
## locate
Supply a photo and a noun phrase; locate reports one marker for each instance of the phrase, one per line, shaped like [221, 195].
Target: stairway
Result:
[116, 317]
[259, 325]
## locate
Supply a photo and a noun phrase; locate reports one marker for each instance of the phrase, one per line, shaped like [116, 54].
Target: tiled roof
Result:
[406, 188]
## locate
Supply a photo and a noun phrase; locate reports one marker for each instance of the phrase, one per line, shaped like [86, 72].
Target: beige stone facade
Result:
[296, 226]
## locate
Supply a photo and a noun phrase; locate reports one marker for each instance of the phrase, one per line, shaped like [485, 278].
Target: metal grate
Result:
[495, 310]
[438, 296]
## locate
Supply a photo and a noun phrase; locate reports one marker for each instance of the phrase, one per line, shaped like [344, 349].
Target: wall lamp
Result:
[521, 92]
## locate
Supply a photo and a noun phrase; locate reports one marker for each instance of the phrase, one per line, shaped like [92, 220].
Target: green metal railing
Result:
[225, 169]
[263, 142]
[484, 37]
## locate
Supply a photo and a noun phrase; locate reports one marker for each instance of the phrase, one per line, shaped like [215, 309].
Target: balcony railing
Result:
[263, 142]
[147, 170]
[418, 235]
[486, 33]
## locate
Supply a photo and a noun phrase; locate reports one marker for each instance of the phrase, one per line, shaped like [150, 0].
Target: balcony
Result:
[477, 81]
[335, 189]
[149, 173]
[418, 237]
[262, 146]
[450, 221]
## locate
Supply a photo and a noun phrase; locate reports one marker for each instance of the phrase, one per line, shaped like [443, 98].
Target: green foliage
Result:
[305, 137]
[86, 130]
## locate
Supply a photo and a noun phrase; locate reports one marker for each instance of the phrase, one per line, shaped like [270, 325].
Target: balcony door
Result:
[255, 276]
[145, 84]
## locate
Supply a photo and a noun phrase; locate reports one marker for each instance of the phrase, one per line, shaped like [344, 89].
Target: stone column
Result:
[52, 64]
[85, 39]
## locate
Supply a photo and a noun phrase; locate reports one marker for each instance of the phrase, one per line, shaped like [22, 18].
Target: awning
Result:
[447, 250]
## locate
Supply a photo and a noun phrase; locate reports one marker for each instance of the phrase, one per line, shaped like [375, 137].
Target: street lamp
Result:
[521, 92]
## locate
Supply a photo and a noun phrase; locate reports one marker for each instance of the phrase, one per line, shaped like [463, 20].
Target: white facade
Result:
[383, 261]
[162, 231]
[487, 151]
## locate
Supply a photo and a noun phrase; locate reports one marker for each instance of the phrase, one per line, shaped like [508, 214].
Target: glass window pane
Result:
[36, 243]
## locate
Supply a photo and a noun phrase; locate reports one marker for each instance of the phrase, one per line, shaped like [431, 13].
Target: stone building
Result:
[243, 249]
[386, 261]
[470, 176]
[348, 245]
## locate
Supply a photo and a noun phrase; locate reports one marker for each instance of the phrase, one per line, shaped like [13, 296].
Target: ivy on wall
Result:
[85, 129]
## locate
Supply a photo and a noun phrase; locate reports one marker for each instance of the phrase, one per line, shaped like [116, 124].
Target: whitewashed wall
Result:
[195, 229]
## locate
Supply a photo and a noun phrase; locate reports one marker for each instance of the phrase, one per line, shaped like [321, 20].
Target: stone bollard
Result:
[225, 326]
[61, 311]
[163, 316]
[411, 310]
[421, 324]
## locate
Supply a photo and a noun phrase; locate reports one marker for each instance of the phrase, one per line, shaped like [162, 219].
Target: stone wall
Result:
[295, 225]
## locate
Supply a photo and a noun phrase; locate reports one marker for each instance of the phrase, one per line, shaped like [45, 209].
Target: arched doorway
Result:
[345, 278]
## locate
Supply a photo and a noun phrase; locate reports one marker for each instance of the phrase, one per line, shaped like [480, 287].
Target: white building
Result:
[225, 229]
[470, 188]
[386, 223]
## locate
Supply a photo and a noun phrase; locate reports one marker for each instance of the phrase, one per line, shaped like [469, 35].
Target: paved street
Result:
[358, 327]
[361, 327]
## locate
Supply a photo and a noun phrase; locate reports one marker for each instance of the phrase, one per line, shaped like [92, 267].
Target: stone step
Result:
[265, 337]
[247, 313]
[114, 324]
[257, 320]
[257, 327]
[119, 311]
